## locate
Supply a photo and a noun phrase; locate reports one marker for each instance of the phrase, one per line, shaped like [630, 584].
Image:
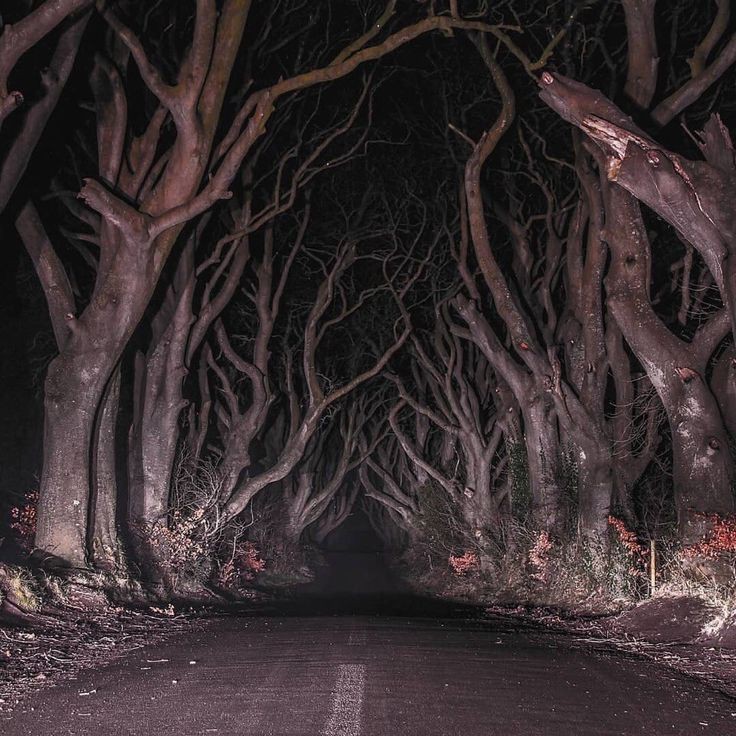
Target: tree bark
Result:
[162, 406]
[75, 383]
[543, 456]
[104, 544]
[703, 468]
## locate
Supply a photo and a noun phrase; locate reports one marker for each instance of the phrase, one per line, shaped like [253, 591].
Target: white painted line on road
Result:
[347, 702]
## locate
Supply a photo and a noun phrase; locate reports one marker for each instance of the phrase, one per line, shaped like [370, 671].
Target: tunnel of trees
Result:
[462, 269]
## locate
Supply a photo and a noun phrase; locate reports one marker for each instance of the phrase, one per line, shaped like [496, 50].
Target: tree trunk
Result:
[723, 385]
[543, 458]
[702, 464]
[162, 406]
[236, 458]
[477, 506]
[104, 543]
[595, 489]
[74, 386]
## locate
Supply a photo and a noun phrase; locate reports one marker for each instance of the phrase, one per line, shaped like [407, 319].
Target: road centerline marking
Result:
[347, 702]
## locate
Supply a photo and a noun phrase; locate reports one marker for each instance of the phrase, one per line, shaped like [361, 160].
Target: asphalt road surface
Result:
[376, 665]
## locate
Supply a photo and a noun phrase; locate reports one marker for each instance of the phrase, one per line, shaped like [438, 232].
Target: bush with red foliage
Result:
[465, 563]
[242, 566]
[24, 521]
[630, 542]
[720, 539]
[539, 556]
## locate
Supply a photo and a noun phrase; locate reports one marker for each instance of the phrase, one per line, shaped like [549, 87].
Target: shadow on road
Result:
[358, 577]
[363, 584]
[359, 583]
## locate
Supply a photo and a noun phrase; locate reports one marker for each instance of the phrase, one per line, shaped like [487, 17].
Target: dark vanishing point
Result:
[367, 367]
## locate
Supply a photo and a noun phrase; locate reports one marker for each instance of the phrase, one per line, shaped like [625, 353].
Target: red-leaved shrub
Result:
[720, 539]
[539, 556]
[242, 566]
[465, 563]
[630, 542]
[24, 521]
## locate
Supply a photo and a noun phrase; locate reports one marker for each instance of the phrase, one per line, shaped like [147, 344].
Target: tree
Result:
[16, 40]
[151, 181]
[703, 467]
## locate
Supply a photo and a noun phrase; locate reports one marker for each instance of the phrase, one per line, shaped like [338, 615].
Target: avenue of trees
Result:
[468, 267]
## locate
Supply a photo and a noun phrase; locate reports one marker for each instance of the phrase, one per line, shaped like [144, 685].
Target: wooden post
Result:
[652, 567]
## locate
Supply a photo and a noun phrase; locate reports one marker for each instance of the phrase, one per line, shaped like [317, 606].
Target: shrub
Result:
[539, 556]
[286, 558]
[630, 543]
[465, 563]
[181, 546]
[683, 573]
[719, 540]
[241, 567]
[195, 543]
[583, 570]
[442, 529]
[24, 521]
[19, 587]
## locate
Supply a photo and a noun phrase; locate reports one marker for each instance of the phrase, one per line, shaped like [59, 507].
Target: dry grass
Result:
[19, 588]
[711, 581]
[58, 626]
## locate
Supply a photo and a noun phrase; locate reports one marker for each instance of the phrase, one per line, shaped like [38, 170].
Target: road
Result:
[342, 667]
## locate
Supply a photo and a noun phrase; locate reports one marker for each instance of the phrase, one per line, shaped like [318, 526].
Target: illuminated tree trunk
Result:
[543, 457]
[104, 543]
[703, 468]
[163, 403]
[74, 389]
[70, 408]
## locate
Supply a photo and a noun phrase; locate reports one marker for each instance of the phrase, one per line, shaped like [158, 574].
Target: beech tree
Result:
[560, 340]
[152, 180]
[322, 474]
[688, 196]
[464, 410]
